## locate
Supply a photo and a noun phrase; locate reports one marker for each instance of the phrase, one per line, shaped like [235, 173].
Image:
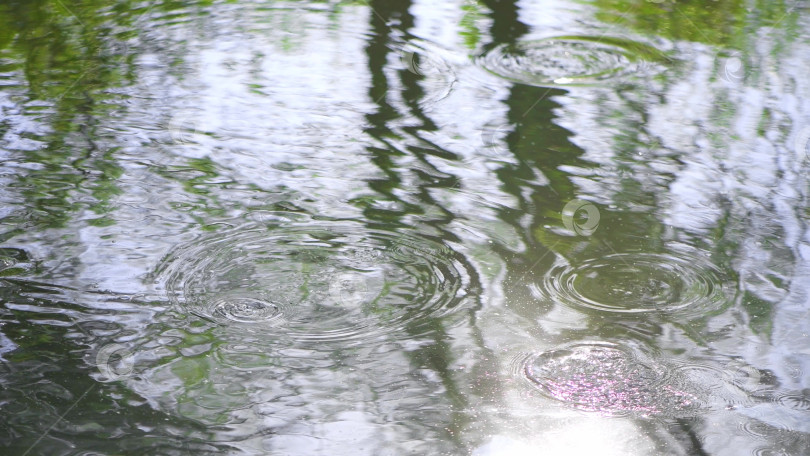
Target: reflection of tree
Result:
[70, 55]
[540, 146]
[59, 62]
[44, 375]
[506, 28]
[62, 62]
[437, 355]
[759, 35]
[595, 143]
[723, 23]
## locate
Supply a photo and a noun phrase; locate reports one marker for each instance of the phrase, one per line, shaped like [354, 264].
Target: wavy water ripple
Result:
[639, 283]
[571, 59]
[315, 280]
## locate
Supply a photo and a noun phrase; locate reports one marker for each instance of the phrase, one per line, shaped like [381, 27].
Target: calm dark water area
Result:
[404, 227]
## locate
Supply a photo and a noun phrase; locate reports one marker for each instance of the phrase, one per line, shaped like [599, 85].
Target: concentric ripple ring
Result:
[315, 280]
[571, 59]
[638, 283]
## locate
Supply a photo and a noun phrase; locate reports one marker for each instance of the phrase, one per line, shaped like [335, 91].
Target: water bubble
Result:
[639, 283]
[571, 221]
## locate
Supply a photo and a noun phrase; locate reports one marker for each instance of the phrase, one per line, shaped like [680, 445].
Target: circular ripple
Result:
[314, 280]
[776, 451]
[639, 282]
[570, 60]
[794, 401]
[606, 378]
[245, 310]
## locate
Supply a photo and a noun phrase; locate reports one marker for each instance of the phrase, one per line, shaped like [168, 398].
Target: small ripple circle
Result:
[639, 283]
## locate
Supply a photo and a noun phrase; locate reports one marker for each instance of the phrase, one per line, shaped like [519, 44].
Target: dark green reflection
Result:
[723, 23]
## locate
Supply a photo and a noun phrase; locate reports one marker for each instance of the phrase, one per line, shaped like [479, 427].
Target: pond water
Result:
[405, 227]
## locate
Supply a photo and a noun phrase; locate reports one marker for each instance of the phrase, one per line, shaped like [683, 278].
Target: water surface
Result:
[388, 228]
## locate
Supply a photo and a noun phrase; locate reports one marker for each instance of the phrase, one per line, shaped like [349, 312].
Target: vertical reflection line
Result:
[397, 23]
[374, 10]
[508, 29]
[47, 431]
